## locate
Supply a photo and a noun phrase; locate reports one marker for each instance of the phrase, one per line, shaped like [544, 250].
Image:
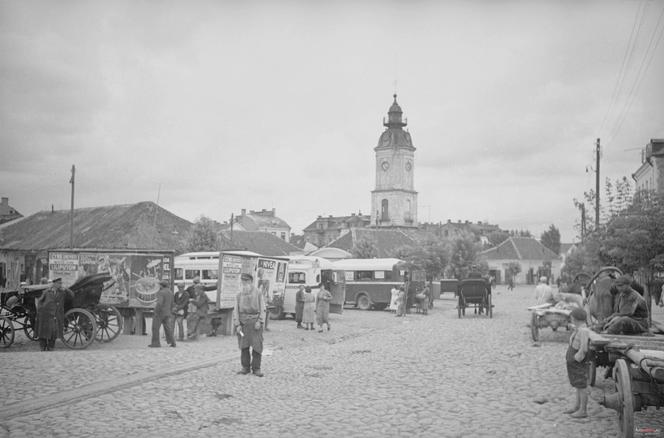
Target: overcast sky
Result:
[211, 107]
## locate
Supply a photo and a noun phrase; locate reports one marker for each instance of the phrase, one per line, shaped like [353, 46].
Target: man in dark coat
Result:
[51, 314]
[180, 310]
[199, 306]
[630, 311]
[162, 315]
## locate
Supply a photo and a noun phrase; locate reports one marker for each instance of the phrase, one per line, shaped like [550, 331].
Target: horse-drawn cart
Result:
[474, 293]
[85, 318]
[637, 369]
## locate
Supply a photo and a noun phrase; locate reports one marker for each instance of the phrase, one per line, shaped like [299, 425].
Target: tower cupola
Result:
[394, 116]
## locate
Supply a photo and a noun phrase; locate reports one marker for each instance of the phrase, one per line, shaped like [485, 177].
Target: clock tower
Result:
[394, 201]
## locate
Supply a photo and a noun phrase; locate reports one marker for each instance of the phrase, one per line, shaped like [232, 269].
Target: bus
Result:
[311, 271]
[198, 264]
[369, 282]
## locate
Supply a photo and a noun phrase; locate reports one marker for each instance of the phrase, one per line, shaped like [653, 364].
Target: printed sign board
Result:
[269, 276]
[135, 274]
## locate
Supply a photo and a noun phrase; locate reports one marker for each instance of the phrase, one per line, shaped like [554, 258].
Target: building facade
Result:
[328, 229]
[650, 175]
[7, 212]
[263, 220]
[394, 200]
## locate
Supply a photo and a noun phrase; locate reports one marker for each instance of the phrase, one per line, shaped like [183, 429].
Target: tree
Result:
[498, 237]
[551, 239]
[431, 256]
[463, 254]
[364, 249]
[203, 236]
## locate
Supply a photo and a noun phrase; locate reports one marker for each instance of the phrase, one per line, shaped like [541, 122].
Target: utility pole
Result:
[597, 186]
[71, 211]
[583, 221]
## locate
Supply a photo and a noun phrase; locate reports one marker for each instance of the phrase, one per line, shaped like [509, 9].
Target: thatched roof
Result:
[144, 225]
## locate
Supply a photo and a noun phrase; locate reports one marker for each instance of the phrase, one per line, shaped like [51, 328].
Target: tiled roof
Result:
[520, 248]
[144, 225]
[386, 241]
[258, 241]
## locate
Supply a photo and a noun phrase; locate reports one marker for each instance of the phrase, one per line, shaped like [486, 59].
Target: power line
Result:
[627, 56]
[648, 56]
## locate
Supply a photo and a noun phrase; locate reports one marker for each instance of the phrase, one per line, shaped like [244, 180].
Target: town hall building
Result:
[394, 200]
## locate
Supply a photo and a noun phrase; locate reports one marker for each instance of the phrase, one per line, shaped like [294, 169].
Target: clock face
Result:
[385, 165]
[409, 166]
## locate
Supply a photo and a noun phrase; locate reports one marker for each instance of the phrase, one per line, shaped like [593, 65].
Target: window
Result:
[364, 275]
[283, 235]
[384, 213]
[210, 274]
[190, 274]
[379, 275]
[178, 273]
[297, 277]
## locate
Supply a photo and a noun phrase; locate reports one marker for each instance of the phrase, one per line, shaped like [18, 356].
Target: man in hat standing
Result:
[630, 311]
[162, 315]
[51, 314]
[248, 320]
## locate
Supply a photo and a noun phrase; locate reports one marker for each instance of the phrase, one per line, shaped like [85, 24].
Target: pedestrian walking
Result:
[51, 314]
[198, 310]
[248, 319]
[162, 315]
[299, 306]
[309, 309]
[323, 308]
[181, 300]
[577, 362]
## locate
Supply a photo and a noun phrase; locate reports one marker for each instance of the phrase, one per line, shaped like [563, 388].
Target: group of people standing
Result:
[310, 308]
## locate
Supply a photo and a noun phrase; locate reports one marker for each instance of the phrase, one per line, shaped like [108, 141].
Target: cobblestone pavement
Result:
[372, 375]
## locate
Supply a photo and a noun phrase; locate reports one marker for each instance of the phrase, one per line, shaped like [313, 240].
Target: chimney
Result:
[244, 212]
[5, 201]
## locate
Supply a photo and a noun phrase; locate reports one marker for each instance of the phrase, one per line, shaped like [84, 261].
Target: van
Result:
[309, 271]
[198, 264]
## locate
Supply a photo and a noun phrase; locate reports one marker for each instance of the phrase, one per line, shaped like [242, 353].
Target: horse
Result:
[600, 297]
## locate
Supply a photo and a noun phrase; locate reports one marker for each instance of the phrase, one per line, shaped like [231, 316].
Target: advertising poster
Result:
[230, 268]
[135, 275]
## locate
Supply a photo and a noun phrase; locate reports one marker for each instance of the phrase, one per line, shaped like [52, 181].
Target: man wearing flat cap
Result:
[630, 311]
[162, 314]
[51, 314]
[248, 321]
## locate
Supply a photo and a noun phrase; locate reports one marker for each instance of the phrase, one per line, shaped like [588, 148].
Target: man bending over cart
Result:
[630, 311]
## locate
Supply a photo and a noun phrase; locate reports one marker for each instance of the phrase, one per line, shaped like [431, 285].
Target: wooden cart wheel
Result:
[592, 370]
[624, 386]
[109, 323]
[534, 327]
[6, 332]
[29, 328]
[80, 329]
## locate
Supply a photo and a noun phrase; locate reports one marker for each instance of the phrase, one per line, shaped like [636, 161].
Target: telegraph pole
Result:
[597, 186]
[71, 211]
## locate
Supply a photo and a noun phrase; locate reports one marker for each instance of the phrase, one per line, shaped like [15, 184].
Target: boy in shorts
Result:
[577, 362]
